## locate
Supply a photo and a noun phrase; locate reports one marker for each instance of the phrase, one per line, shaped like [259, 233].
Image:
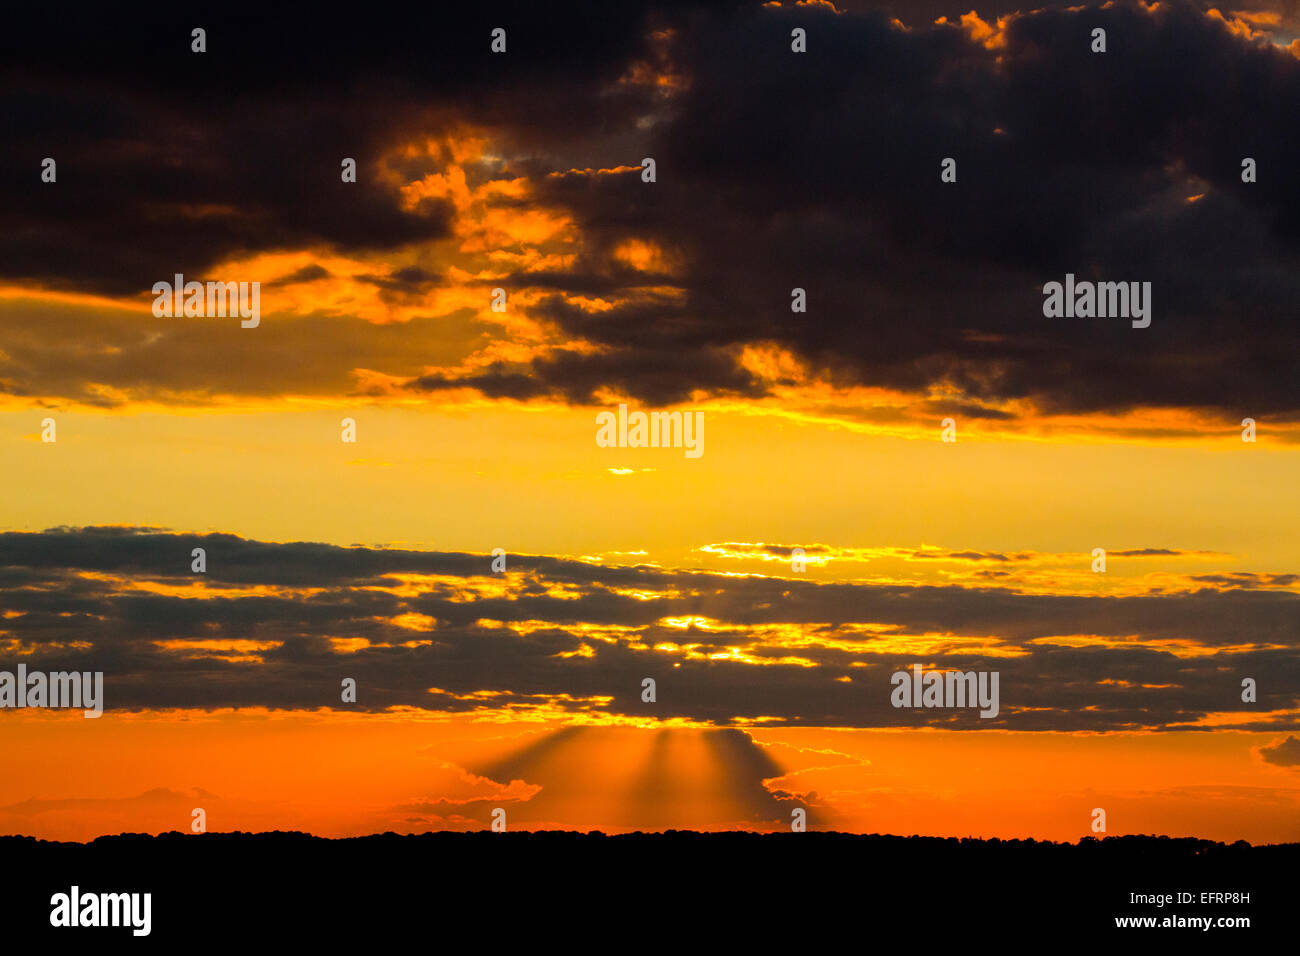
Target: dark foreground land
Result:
[669, 891]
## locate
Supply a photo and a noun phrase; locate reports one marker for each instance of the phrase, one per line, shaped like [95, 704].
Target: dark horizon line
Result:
[1086, 840]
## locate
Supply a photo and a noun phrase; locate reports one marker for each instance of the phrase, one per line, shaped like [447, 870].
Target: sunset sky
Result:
[475, 428]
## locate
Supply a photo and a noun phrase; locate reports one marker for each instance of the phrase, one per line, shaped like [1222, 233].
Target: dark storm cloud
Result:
[169, 161]
[775, 170]
[585, 632]
[821, 171]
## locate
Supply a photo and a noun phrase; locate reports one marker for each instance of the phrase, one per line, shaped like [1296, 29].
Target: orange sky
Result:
[338, 775]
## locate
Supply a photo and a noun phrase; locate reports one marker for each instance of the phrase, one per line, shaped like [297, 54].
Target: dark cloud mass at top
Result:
[775, 170]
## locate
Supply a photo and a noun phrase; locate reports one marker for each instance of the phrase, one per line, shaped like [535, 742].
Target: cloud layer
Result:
[775, 170]
[281, 625]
